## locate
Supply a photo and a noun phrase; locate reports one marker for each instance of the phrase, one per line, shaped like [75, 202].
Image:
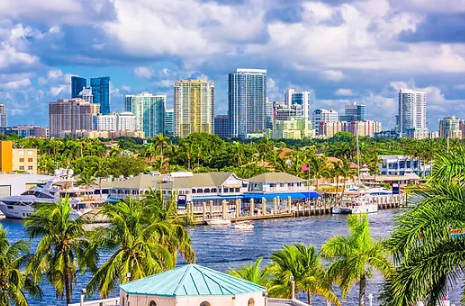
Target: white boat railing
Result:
[106, 302]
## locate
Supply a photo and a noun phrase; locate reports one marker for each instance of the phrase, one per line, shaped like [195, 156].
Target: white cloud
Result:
[143, 72]
[332, 75]
[16, 84]
[126, 88]
[344, 92]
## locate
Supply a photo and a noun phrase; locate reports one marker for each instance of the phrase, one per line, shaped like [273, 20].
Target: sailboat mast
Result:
[358, 159]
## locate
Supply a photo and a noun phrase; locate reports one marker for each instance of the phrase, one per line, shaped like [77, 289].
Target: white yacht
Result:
[218, 221]
[61, 186]
[363, 204]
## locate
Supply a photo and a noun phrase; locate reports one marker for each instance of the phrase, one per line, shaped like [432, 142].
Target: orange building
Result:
[17, 159]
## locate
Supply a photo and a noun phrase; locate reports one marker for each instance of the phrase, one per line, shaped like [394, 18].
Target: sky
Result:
[343, 50]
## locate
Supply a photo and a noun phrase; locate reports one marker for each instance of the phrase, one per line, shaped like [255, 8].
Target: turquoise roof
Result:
[191, 280]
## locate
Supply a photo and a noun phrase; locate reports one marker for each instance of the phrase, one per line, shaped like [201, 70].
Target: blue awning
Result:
[283, 195]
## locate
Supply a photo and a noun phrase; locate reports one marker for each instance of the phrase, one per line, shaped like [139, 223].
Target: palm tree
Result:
[304, 264]
[13, 281]
[63, 248]
[346, 172]
[135, 241]
[101, 170]
[253, 273]
[161, 142]
[355, 256]
[427, 256]
[318, 169]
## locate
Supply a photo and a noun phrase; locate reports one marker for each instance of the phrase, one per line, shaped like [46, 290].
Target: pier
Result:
[237, 210]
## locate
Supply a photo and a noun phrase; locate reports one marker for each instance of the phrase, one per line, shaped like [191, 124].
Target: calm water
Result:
[222, 248]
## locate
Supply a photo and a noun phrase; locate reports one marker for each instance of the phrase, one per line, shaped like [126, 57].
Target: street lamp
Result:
[82, 296]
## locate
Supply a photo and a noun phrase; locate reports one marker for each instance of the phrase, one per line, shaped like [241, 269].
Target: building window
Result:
[21, 152]
[21, 160]
[30, 167]
[251, 302]
[21, 167]
[29, 160]
[205, 304]
[152, 303]
[30, 152]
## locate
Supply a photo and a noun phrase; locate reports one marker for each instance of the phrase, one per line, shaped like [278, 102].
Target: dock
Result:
[236, 210]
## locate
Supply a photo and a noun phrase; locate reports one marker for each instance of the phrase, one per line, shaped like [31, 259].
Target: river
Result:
[222, 248]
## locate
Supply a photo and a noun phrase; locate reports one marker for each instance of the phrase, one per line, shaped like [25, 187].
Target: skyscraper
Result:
[77, 84]
[101, 92]
[354, 112]
[303, 98]
[169, 122]
[247, 101]
[323, 116]
[449, 127]
[149, 111]
[3, 116]
[86, 95]
[124, 121]
[70, 116]
[222, 126]
[412, 112]
[193, 107]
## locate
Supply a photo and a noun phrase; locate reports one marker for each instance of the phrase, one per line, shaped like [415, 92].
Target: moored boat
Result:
[359, 205]
[244, 225]
[218, 222]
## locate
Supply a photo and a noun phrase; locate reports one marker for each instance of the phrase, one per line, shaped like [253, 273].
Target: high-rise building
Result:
[323, 115]
[222, 126]
[449, 127]
[125, 121]
[86, 95]
[149, 111]
[303, 98]
[3, 116]
[77, 84]
[26, 131]
[169, 122]
[101, 93]
[269, 114]
[354, 112]
[292, 128]
[71, 115]
[247, 101]
[412, 113]
[193, 107]
[363, 128]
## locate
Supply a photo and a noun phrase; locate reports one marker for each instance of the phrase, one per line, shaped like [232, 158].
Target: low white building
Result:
[125, 121]
[12, 184]
[402, 164]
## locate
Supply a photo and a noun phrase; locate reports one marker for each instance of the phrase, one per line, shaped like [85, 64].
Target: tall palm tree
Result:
[14, 282]
[135, 241]
[160, 142]
[355, 256]
[100, 171]
[318, 169]
[346, 172]
[428, 257]
[63, 248]
[253, 273]
[304, 264]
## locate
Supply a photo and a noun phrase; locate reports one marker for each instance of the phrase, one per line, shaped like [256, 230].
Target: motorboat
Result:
[244, 225]
[218, 221]
[358, 205]
[82, 198]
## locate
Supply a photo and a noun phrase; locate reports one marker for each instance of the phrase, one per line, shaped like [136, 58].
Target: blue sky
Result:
[344, 51]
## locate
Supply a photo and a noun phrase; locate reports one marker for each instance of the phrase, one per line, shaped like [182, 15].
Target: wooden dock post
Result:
[224, 209]
[264, 206]
[275, 207]
[251, 208]
[238, 208]
[211, 209]
[204, 207]
[289, 204]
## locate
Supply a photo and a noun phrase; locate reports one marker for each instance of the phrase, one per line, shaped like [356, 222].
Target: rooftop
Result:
[275, 177]
[191, 280]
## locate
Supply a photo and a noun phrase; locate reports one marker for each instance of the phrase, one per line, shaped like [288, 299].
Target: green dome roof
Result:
[191, 280]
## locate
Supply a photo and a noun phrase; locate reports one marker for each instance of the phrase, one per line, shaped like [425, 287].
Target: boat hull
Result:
[218, 222]
[362, 209]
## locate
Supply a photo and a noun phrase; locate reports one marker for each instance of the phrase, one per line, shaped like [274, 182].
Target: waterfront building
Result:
[17, 159]
[86, 95]
[13, 184]
[222, 126]
[354, 112]
[449, 127]
[125, 121]
[412, 113]
[71, 115]
[77, 84]
[416, 133]
[401, 164]
[193, 107]
[101, 93]
[329, 128]
[363, 128]
[169, 122]
[323, 116]
[393, 180]
[247, 101]
[26, 131]
[149, 111]
[303, 99]
[3, 116]
[387, 134]
[292, 128]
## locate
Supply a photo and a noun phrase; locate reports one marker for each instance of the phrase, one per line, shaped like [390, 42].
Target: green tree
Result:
[136, 243]
[14, 282]
[304, 264]
[63, 248]
[318, 169]
[253, 273]
[355, 256]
